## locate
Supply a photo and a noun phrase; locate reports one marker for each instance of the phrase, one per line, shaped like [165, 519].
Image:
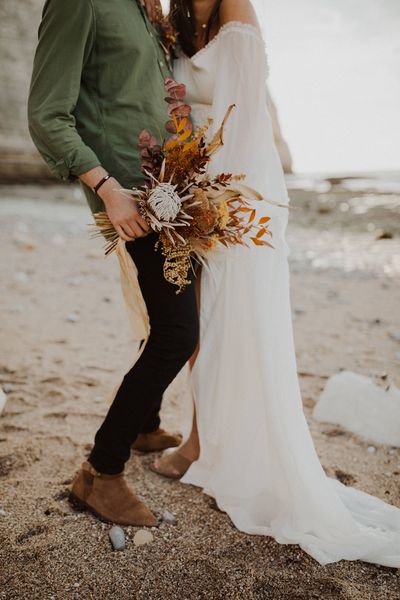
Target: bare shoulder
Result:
[238, 10]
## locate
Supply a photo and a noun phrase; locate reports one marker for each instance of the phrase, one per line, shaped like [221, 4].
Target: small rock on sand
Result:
[72, 318]
[169, 518]
[58, 239]
[94, 253]
[3, 401]
[117, 537]
[143, 537]
[20, 277]
[24, 241]
[2, 512]
[7, 388]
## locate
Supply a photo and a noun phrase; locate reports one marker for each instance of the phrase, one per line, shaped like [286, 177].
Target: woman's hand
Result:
[151, 7]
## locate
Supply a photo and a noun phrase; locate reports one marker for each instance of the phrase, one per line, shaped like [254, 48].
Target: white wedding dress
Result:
[257, 455]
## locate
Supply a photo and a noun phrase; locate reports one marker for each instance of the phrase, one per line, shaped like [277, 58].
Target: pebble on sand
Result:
[2, 512]
[3, 401]
[143, 537]
[72, 318]
[117, 537]
[58, 239]
[8, 388]
[24, 241]
[169, 518]
[20, 277]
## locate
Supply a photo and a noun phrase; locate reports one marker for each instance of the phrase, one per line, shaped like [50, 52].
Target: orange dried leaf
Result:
[264, 220]
[190, 146]
[261, 233]
[252, 216]
[171, 144]
[258, 242]
[181, 125]
[185, 135]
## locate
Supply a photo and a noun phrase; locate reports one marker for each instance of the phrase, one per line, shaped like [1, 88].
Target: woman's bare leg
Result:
[191, 448]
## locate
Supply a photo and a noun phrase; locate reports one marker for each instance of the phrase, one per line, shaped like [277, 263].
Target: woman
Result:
[257, 457]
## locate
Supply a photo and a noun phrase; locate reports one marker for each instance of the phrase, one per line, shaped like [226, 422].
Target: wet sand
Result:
[65, 343]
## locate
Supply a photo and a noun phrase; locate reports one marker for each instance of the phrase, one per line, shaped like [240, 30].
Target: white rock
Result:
[117, 537]
[24, 241]
[20, 277]
[371, 449]
[143, 537]
[2, 512]
[94, 253]
[21, 227]
[74, 281]
[16, 309]
[7, 388]
[357, 404]
[3, 400]
[73, 318]
[169, 518]
[58, 239]
[300, 310]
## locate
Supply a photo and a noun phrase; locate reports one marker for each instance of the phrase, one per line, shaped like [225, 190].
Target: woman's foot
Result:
[175, 464]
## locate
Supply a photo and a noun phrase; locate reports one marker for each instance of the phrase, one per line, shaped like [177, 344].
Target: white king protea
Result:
[165, 202]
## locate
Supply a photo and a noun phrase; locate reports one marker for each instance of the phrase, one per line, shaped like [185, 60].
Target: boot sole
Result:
[81, 506]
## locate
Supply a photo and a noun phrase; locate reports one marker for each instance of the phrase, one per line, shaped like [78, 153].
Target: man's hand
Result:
[121, 209]
[123, 212]
[151, 8]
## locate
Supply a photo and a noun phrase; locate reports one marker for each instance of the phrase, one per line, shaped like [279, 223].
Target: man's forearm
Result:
[121, 208]
[94, 176]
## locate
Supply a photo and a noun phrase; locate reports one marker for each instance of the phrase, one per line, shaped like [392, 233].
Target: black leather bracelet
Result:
[98, 186]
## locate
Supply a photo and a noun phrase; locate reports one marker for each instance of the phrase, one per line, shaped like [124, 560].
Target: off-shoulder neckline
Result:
[227, 26]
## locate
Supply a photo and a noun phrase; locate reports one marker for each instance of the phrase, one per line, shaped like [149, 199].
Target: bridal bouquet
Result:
[191, 211]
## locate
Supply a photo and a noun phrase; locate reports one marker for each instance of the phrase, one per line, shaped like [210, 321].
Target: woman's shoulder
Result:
[238, 11]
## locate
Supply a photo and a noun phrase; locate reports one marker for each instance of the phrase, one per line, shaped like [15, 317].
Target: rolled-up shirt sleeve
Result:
[66, 37]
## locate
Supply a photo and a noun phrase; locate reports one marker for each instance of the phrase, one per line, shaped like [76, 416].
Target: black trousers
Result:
[173, 338]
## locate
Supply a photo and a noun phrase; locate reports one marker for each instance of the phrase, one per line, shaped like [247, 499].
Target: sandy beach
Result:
[65, 343]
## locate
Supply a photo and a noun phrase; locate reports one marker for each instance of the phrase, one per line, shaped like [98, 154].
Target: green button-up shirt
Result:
[98, 80]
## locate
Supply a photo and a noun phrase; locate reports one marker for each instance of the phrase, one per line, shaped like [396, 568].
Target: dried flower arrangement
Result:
[190, 211]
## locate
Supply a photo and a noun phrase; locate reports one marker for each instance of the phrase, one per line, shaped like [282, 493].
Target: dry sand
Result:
[64, 344]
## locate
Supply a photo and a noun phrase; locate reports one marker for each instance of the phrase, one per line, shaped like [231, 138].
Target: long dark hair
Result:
[181, 14]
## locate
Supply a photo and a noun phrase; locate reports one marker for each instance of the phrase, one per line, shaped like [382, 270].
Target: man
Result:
[98, 80]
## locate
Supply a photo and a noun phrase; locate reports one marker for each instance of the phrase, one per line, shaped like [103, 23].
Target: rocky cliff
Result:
[19, 160]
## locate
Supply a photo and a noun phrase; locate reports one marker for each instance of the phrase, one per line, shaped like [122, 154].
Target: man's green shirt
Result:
[98, 80]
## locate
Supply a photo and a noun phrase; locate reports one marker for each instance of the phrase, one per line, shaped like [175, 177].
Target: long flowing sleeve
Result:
[249, 146]
[65, 41]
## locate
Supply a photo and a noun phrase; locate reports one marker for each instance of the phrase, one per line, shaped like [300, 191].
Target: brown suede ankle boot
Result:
[109, 498]
[156, 441]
